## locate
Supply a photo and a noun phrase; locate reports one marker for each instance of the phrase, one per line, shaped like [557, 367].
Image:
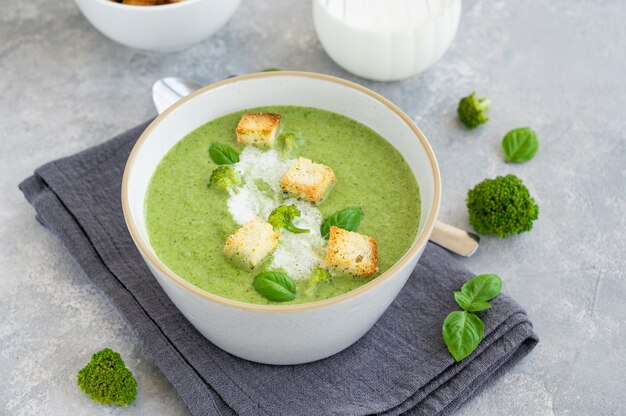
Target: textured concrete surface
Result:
[558, 66]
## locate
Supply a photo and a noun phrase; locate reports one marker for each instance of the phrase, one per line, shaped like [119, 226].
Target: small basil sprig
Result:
[475, 293]
[520, 145]
[223, 154]
[275, 286]
[348, 219]
[463, 330]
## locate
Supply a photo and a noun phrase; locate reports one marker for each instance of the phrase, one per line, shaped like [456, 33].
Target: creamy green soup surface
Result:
[188, 222]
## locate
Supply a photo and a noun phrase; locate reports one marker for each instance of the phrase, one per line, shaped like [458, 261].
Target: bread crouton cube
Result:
[351, 253]
[258, 129]
[251, 244]
[307, 180]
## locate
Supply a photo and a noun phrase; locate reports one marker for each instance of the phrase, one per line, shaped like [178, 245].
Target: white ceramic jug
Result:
[386, 40]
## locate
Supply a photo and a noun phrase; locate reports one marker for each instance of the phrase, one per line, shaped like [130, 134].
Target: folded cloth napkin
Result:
[401, 366]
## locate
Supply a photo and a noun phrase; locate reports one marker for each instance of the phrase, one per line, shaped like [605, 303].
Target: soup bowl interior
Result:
[281, 334]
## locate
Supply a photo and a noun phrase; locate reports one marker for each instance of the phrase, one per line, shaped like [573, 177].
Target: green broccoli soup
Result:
[282, 205]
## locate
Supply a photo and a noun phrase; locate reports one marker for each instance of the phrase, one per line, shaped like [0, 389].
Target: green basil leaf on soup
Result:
[520, 145]
[462, 332]
[348, 219]
[223, 154]
[275, 286]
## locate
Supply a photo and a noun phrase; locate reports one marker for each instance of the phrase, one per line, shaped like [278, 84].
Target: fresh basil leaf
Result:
[478, 306]
[271, 69]
[348, 219]
[462, 300]
[275, 286]
[481, 288]
[223, 154]
[520, 145]
[471, 306]
[462, 332]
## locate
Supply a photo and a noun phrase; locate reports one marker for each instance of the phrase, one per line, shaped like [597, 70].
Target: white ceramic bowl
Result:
[163, 28]
[281, 334]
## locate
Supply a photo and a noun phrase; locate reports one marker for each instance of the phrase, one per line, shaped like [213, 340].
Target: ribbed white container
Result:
[386, 40]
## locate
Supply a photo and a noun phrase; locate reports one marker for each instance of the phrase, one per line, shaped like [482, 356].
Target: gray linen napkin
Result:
[400, 367]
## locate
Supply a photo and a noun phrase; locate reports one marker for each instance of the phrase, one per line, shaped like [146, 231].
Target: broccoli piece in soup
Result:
[286, 142]
[224, 178]
[282, 217]
[318, 276]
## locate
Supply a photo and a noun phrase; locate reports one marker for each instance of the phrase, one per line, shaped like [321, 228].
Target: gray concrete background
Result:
[558, 66]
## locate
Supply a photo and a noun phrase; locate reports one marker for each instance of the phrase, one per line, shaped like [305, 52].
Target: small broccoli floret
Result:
[473, 111]
[286, 142]
[282, 217]
[107, 380]
[501, 206]
[318, 276]
[224, 178]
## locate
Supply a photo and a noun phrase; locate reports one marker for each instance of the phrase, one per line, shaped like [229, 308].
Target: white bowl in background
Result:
[281, 334]
[164, 28]
[386, 40]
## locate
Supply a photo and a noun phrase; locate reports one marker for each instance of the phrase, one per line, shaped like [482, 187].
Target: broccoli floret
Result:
[224, 178]
[286, 142]
[318, 276]
[282, 217]
[107, 380]
[501, 206]
[473, 111]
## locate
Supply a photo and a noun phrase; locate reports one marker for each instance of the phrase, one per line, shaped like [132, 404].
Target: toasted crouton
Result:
[252, 244]
[307, 180]
[258, 129]
[351, 253]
